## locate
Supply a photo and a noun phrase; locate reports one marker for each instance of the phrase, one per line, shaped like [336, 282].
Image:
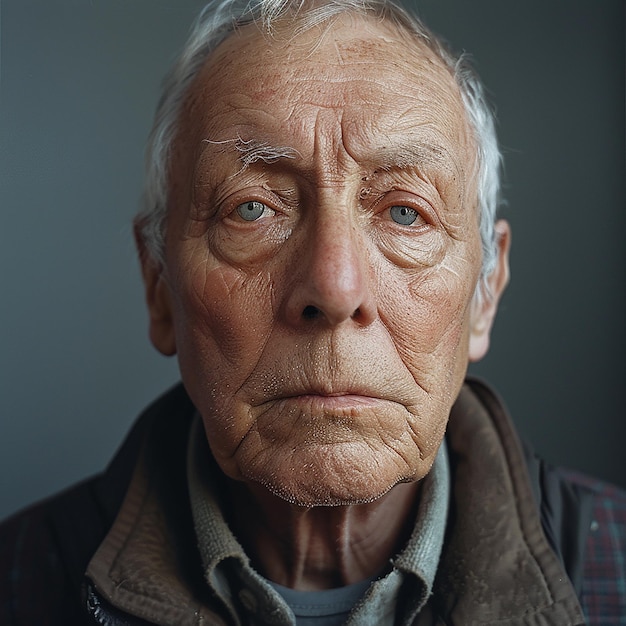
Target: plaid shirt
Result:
[604, 573]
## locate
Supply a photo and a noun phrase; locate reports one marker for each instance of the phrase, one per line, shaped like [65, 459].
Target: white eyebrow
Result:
[253, 150]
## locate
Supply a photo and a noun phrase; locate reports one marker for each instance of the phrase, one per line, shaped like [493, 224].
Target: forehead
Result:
[356, 85]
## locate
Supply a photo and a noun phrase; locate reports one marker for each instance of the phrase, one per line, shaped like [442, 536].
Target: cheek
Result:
[229, 307]
[427, 315]
[223, 318]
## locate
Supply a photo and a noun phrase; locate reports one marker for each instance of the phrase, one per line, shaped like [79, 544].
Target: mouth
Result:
[330, 401]
[345, 400]
[341, 383]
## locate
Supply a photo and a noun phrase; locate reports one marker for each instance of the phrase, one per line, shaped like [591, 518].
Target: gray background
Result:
[78, 86]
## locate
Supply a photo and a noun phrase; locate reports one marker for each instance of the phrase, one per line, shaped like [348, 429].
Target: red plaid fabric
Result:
[604, 579]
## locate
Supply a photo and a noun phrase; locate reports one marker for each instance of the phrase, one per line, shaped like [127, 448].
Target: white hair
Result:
[253, 150]
[221, 17]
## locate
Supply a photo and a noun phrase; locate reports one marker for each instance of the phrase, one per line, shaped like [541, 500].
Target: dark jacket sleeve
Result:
[43, 554]
[45, 549]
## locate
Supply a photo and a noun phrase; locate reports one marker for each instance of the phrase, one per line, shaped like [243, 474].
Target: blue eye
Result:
[251, 211]
[403, 215]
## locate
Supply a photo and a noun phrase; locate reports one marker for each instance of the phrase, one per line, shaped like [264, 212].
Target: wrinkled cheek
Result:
[227, 314]
[429, 327]
[223, 319]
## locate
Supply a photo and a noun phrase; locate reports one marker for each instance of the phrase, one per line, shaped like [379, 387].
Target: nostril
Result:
[357, 313]
[310, 312]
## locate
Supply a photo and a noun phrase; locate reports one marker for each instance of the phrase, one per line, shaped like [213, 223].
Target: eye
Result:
[403, 215]
[253, 210]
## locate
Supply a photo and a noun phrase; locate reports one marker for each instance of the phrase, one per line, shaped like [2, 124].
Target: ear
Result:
[158, 298]
[484, 311]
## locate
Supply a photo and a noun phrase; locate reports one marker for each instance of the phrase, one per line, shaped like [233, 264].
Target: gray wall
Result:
[78, 85]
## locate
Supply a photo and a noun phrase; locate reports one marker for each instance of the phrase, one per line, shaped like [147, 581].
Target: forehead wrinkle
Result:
[415, 147]
[308, 89]
[332, 158]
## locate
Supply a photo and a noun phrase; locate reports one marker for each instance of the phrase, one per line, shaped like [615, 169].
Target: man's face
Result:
[319, 301]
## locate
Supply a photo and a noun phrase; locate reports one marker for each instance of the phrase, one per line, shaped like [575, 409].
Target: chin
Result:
[331, 476]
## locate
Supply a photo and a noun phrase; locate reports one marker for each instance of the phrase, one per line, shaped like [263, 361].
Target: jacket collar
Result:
[497, 566]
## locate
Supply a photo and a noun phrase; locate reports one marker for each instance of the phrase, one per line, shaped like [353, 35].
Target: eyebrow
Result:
[253, 150]
[408, 155]
[413, 154]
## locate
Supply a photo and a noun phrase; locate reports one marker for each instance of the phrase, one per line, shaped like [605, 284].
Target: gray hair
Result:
[221, 17]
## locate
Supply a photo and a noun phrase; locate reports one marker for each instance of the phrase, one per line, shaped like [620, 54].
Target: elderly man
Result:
[319, 249]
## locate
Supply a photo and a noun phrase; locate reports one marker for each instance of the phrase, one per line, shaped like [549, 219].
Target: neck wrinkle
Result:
[321, 547]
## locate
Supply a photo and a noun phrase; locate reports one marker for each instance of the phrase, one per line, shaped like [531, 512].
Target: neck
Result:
[321, 547]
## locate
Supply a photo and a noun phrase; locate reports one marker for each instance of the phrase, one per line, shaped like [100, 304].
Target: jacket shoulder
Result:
[584, 521]
[43, 551]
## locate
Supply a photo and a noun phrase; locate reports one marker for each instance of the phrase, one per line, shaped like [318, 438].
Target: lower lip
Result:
[347, 401]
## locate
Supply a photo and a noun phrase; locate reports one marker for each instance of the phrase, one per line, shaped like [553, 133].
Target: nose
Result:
[331, 275]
